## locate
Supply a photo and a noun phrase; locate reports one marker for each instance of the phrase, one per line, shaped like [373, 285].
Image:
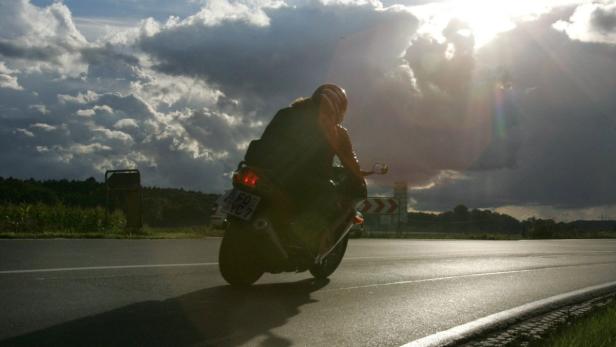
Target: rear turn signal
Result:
[246, 177]
[358, 218]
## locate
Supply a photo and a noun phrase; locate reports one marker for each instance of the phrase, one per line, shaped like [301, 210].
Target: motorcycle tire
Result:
[236, 259]
[331, 262]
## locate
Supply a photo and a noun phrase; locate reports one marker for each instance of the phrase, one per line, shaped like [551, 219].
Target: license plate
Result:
[239, 204]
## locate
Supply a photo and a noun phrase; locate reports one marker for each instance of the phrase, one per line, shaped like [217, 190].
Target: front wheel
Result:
[331, 262]
[236, 259]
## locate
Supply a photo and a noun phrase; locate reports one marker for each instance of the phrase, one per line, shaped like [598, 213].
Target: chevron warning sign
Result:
[378, 206]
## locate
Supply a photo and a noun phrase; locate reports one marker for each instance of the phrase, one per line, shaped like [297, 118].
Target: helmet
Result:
[331, 98]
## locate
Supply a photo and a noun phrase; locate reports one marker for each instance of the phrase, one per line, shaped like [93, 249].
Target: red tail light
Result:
[246, 177]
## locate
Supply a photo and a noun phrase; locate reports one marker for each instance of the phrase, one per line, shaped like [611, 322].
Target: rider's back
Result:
[293, 147]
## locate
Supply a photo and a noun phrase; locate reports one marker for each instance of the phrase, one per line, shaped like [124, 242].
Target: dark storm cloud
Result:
[216, 132]
[45, 53]
[106, 62]
[425, 109]
[446, 66]
[565, 125]
[591, 22]
[420, 129]
[271, 65]
[106, 54]
[527, 119]
[180, 169]
[430, 112]
[604, 19]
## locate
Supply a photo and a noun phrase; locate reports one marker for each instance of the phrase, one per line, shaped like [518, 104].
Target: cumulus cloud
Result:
[429, 113]
[105, 133]
[93, 111]
[266, 65]
[81, 98]
[161, 90]
[126, 123]
[113, 111]
[34, 38]
[483, 124]
[43, 126]
[593, 22]
[417, 94]
[108, 63]
[85, 113]
[562, 130]
[216, 12]
[40, 108]
[88, 149]
[24, 132]
[7, 80]
[10, 82]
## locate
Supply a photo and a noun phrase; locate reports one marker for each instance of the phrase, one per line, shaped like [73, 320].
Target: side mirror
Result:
[380, 168]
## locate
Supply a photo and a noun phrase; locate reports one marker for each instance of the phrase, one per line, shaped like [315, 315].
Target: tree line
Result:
[170, 207]
[161, 207]
[461, 219]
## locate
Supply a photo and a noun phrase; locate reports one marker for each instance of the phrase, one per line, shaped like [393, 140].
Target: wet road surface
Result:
[169, 292]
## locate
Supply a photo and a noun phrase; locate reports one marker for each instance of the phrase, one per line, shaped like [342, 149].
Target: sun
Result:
[484, 18]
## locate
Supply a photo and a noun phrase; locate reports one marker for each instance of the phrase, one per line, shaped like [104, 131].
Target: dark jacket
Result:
[293, 146]
[297, 151]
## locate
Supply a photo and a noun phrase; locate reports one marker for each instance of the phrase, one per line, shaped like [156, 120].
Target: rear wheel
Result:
[331, 262]
[236, 260]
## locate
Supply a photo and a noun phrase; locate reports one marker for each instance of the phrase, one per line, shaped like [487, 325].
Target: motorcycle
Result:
[264, 233]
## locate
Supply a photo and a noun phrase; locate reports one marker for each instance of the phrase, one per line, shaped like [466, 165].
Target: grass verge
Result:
[147, 233]
[595, 330]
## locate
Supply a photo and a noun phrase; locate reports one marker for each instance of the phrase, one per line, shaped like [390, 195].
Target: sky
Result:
[508, 105]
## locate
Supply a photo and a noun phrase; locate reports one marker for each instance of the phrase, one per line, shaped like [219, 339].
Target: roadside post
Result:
[385, 208]
[400, 194]
[124, 192]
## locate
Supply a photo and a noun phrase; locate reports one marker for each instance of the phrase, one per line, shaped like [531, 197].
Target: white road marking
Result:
[145, 266]
[488, 254]
[115, 267]
[84, 268]
[482, 274]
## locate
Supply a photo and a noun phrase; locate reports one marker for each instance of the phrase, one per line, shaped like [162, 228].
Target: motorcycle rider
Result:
[298, 147]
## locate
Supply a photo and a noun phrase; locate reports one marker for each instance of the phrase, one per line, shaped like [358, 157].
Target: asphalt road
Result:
[169, 292]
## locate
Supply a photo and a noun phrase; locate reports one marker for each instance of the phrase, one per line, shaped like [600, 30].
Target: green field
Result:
[41, 218]
[145, 233]
[60, 221]
[38, 220]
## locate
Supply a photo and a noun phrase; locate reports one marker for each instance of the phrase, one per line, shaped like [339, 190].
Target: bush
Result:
[39, 218]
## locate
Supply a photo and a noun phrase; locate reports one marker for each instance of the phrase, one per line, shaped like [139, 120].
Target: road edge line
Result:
[463, 333]
[109, 267]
